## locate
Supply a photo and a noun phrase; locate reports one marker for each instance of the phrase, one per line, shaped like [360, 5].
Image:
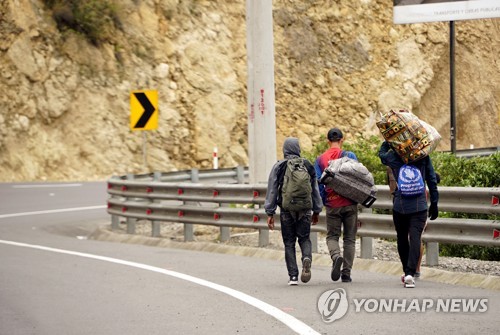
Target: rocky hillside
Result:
[65, 102]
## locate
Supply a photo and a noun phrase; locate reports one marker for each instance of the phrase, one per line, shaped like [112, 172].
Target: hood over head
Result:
[291, 147]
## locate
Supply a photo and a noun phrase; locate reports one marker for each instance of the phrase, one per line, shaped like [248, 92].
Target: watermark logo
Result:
[451, 305]
[333, 305]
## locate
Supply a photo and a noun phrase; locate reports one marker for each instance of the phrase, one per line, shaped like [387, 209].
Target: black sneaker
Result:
[337, 264]
[346, 278]
[293, 281]
[306, 270]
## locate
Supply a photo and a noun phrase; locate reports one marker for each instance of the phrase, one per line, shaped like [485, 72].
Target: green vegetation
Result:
[95, 19]
[454, 171]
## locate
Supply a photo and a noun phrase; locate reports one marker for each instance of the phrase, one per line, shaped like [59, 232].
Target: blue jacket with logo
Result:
[414, 204]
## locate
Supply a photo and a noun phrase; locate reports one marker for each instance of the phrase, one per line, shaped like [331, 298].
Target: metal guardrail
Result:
[224, 200]
[467, 153]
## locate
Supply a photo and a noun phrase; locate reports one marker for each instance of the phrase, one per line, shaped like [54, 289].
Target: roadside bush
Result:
[467, 172]
[95, 19]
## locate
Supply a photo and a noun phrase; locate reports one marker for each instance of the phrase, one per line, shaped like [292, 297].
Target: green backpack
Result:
[296, 192]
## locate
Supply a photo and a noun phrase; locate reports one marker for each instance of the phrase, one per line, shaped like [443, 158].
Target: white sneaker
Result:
[409, 282]
[293, 281]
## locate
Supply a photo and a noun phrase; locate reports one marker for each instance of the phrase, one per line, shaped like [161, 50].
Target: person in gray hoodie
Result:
[295, 226]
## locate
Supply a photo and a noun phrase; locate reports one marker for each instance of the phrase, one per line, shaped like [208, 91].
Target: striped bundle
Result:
[409, 136]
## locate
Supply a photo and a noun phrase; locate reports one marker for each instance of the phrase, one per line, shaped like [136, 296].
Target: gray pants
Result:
[345, 218]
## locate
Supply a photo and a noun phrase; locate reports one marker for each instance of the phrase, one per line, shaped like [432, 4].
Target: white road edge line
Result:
[46, 185]
[51, 211]
[288, 320]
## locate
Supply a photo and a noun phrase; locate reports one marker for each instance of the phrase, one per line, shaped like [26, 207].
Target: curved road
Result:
[53, 280]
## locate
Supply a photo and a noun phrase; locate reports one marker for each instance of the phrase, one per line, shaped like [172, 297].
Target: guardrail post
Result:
[366, 247]
[131, 221]
[240, 174]
[156, 225]
[115, 219]
[314, 241]
[189, 227]
[155, 229]
[225, 234]
[263, 237]
[131, 225]
[432, 253]
[115, 222]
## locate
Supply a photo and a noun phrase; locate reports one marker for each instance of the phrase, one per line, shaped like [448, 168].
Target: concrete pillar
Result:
[260, 84]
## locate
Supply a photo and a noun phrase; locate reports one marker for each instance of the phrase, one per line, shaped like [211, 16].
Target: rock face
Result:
[64, 107]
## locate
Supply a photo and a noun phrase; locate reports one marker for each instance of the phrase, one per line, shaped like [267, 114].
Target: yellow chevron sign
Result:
[144, 110]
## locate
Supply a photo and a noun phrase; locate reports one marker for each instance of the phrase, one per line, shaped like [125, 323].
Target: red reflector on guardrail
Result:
[495, 201]
[180, 191]
[149, 211]
[216, 216]
[124, 188]
[109, 205]
[109, 186]
[180, 213]
[216, 193]
[124, 209]
[496, 234]
[256, 218]
[255, 194]
[149, 190]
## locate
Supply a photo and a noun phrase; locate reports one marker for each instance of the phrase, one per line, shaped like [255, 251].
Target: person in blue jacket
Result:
[295, 226]
[410, 212]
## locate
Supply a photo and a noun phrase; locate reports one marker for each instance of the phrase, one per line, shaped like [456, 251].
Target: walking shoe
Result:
[346, 278]
[417, 275]
[337, 264]
[293, 281]
[306, 270]
[409, 282]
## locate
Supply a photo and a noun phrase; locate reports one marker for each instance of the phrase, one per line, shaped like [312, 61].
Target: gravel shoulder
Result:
[384, 250]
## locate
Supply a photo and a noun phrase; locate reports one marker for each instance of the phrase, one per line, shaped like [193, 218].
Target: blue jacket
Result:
[409, 205]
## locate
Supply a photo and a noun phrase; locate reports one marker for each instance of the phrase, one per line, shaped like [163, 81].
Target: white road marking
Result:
[52, 211]
[288, 320]
[46, 185]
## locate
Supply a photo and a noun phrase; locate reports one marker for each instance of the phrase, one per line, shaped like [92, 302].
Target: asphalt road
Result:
[53, 280]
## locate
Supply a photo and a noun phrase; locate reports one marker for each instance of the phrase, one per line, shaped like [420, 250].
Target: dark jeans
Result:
[409, 228]
[295, 226]
[346, 219]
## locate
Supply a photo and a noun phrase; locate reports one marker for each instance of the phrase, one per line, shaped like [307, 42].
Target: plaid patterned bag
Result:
[410, 137]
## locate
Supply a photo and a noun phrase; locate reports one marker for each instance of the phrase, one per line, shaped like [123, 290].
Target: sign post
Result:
[144, 114]
[416, 11]
[260, 85]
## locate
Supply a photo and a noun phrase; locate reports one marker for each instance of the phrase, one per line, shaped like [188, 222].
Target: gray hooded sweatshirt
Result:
[291, 149]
